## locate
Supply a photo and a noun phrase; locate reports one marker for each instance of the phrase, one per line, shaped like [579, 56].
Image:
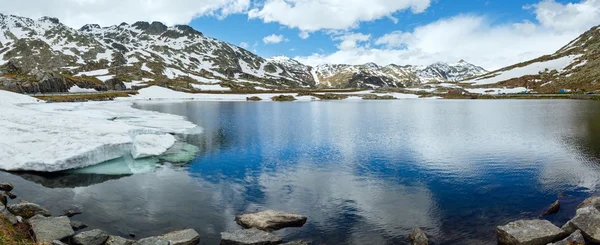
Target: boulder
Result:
[249, 237]
[418, 237]
[270, 220]
[529, 232]
[28, 210]
[152, 241]
[48, 229]
[6, 187]
[574, 239]
[588, 221]
[115, 84]
[183, 237]
[78, 225]
[72, 212]
[11, 217]
[117, 240]
[93, 237]
[590, 202]
[553, 209]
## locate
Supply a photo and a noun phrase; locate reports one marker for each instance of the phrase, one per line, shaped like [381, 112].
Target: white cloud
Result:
[304, 35]
[473, 38]
[244, 45]
[351, 40]
[567, 17]
[273, 39]
[314, 15]
[76, 13]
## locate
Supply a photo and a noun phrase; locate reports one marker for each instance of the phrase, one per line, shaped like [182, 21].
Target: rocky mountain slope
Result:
[575, 67]
[47, 56]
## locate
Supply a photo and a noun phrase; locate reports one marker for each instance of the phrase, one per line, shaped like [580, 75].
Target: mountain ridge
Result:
[151, 53]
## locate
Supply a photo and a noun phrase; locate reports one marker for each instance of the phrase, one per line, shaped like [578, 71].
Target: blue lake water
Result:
[364, 172]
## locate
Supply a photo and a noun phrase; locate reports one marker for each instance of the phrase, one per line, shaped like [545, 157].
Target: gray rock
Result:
[588, 221]
[72, 212]
[57, 242]
[117, 240]
[152, 241]
[298, 243]
[590, 202]
[553, 209]
[48, 229]
[183, 237]
[418, 237]
[93, 237]
[78, 225]
[28, 210]
[6, 186]
[249, 237]
[11, 217]
[575, 238]
[270, 220]
[529, 232]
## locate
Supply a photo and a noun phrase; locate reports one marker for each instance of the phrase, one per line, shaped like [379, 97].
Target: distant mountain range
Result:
[47, 56]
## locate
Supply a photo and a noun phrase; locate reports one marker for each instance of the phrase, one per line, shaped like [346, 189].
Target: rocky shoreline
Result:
[44, 228]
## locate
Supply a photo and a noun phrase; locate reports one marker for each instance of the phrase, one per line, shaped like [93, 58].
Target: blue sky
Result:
[489, 33]
[239, 28]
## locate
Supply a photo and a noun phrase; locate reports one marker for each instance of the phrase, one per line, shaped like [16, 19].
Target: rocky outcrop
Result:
[529, 232]
[418, 237]
[183, 237]
[574, 239]
[77, 225]
[48, 229]
[93, 237]
[249, 237]
[28, 210]
[270, 220]
[6, 187]
[115, 84]
[587, 220]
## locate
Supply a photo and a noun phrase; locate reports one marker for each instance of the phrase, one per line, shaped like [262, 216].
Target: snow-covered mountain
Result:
[45, 55]
[576, 66]
[371, 75]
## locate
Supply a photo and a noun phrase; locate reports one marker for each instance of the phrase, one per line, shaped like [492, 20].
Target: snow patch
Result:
[77, 89]
[210, 87]
[93, 73]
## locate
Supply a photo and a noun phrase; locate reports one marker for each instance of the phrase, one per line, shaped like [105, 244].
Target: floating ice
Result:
[55, 137]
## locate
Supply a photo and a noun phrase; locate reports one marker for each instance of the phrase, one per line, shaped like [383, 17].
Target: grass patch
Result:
[14, 235]
[84, 97]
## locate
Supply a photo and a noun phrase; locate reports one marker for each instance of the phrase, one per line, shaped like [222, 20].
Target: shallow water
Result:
[364, 172]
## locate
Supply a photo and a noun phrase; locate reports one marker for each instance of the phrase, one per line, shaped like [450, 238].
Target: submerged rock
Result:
[297, 243]
[529, 232]
[6, 186]
[574, 239]
[418, 237]
[48, 229]
[553, 209]
[77, 225]
[93, 237]
[590, 202]
[249, 237]
[72, 212]
[270, 220]
[117, 240]
[588, 221]
[10, 195]
[183, 237]
[152, 241]
[28, 210]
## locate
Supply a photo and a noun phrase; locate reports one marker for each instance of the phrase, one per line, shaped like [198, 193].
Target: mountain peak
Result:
[461, 61]
[50, 19]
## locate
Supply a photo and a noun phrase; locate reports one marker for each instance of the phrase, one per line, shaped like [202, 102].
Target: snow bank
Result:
[77, 89]
[214, 87]
[148, 145]
[497, 90]
[14, 98]
[531, 69]
[93, 73]
[61, 136]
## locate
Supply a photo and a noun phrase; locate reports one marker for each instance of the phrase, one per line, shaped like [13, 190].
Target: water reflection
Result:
[364, 172]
